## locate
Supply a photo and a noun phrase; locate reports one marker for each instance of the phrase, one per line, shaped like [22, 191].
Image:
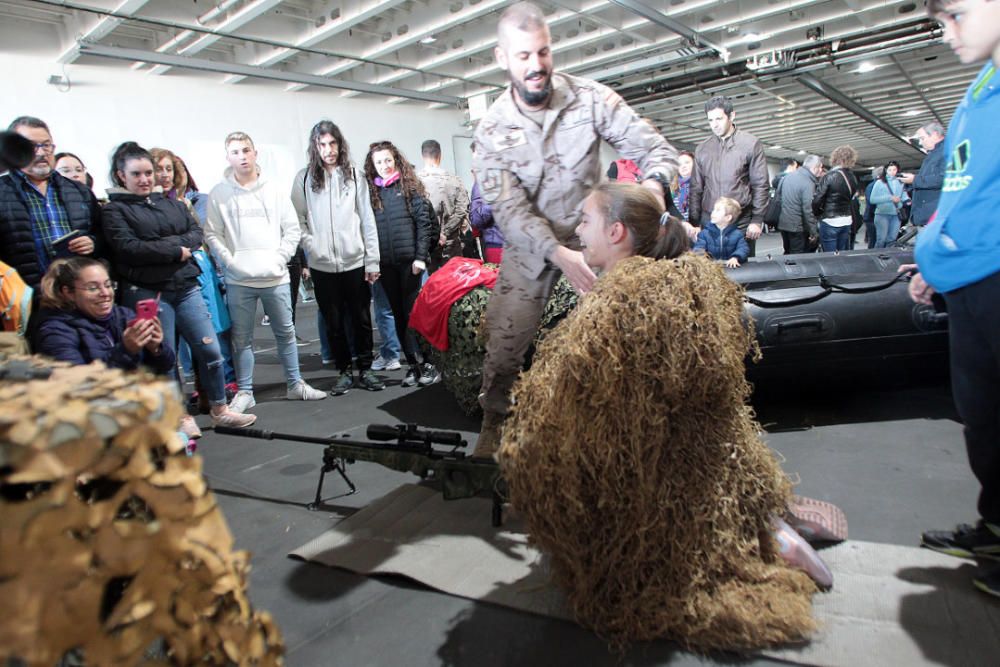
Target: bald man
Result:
[536, 160]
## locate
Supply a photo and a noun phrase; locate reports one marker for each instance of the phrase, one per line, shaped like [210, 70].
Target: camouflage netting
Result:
[112, 549]
[634, 457]
[461, 365]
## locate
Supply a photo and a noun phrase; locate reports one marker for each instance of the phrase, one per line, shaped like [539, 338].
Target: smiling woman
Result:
[80, 323]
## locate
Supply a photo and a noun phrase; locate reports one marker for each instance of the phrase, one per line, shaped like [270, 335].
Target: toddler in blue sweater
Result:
[722, 239]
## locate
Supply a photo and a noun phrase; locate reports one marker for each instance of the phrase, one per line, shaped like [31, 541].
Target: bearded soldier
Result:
[536, 160]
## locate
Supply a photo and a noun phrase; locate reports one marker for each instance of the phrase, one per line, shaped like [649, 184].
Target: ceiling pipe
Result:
[659, 18]
[218, 10]
[840, 99]
[187, 62]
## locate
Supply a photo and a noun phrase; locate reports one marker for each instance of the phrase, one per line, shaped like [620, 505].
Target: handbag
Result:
[772, 214]
[855, 205]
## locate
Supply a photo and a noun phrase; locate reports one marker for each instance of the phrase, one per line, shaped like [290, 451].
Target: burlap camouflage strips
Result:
[112, 549]
[461, 365]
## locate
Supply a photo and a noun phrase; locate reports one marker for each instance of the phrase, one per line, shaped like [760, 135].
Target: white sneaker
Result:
[303, 392]
[242, 401]
[189, 428]
[233, 419]
[381, 364]
[265, 321]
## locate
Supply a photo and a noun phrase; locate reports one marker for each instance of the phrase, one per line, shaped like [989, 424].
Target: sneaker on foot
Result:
[988, 582]
[189, 427]
[370, 381]
[383, 364]
[242, 401]
[799, 554]
[265, 321]
[428, 375]
[412, 376]
[303, 392]
[966, 541]
[300, 341]
[344, 384]
[233, 419]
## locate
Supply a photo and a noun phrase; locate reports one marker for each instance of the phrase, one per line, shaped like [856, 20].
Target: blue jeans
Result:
[390, 348]
[834, 238]
[886, 229]
[277, 302]
[186, 313]
[184, 356]
[324, 344]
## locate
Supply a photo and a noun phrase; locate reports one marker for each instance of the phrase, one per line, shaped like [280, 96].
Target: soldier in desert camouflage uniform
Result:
[536, 160]
[450, 199]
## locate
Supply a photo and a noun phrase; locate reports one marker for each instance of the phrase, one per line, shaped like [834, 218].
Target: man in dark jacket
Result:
[798, 225]
[38, 206]
[927, 182]
[731, 164]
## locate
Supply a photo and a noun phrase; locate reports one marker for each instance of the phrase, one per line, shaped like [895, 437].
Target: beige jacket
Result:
[449, 198]
[536, 178]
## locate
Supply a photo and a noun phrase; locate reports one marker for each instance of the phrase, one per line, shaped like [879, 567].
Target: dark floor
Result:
[891, 456]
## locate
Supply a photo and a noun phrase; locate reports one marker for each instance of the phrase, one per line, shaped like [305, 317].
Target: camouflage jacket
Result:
[536, 178]
[449, 198]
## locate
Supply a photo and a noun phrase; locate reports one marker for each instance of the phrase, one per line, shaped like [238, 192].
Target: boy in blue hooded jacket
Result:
[722, 239]
[958, 256]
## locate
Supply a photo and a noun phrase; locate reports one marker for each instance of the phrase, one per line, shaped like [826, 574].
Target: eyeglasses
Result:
[45, 147]
[95, 288]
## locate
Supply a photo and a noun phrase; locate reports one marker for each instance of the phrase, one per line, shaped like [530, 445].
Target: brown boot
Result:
[489, 436]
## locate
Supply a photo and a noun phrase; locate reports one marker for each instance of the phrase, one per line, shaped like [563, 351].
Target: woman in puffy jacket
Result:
[152, 240]
[80, 323]
[405, 232]
[833, 201]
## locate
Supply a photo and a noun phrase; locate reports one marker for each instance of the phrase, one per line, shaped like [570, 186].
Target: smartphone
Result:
[60, 246]
[147, 309]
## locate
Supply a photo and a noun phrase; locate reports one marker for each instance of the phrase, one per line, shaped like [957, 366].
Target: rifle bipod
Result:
[331, 462]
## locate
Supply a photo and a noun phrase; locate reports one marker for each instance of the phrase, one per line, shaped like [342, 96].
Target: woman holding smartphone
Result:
[80, 323]
[152, 239]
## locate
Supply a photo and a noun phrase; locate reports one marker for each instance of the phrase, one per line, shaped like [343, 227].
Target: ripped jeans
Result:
[186, 312]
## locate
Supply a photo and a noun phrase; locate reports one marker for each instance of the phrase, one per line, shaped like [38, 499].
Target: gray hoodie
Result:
[253, 232]
[337, 223]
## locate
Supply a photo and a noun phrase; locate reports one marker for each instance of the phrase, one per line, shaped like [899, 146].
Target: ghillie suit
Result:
[634, 457]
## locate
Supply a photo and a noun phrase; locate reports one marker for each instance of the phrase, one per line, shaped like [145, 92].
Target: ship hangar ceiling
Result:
[805, 76]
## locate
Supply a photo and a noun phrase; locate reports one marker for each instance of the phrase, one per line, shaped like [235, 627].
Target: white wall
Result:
[191, 114]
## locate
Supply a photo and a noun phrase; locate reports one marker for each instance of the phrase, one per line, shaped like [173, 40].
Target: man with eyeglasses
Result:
[39, 207]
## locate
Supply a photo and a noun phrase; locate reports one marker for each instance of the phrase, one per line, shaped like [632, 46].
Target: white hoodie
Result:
[253, 232]
[338, 226]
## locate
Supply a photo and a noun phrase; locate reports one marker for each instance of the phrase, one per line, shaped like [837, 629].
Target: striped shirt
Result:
[49, 219]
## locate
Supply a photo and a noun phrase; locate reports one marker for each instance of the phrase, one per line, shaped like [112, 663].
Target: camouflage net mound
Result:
[113, 549]
[461, 365]
[634, 457]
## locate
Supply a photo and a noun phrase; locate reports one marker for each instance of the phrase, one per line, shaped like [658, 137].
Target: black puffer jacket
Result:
[146, 235]
[834, 193]
[17, 243]
[403, 235]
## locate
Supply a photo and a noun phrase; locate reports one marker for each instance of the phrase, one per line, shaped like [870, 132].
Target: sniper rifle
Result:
[413, 451]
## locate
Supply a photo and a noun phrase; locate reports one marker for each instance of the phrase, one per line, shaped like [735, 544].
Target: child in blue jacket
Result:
[958, 255]
[722, 239]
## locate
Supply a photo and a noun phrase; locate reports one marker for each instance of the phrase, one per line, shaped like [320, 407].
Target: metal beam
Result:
[659, 18]
[237, 21]
[187, 62]
[917, 90]
[840, 99]
[100, 29]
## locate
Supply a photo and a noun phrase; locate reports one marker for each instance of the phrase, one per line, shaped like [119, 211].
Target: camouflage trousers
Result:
[512, 317]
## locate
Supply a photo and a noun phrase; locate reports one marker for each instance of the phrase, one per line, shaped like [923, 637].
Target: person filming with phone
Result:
[80, 323]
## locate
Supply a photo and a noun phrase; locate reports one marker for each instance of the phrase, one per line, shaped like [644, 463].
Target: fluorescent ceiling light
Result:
[912, 112]
[866, 67]
[428, 40]
[776, 147]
